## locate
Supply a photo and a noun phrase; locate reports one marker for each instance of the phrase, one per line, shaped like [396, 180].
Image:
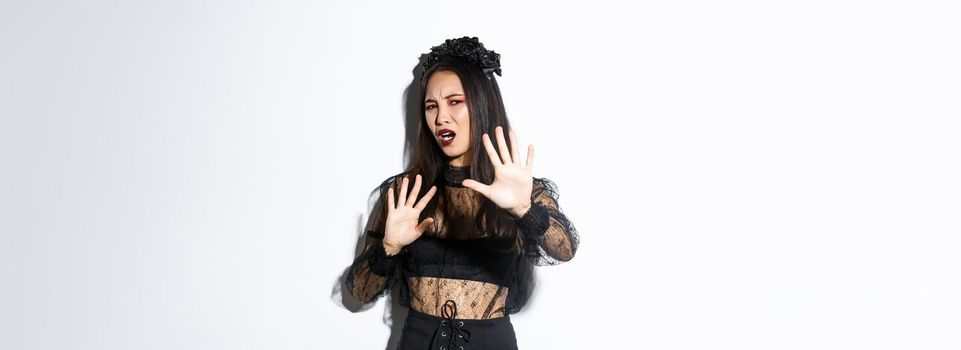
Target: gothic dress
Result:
[462, 280]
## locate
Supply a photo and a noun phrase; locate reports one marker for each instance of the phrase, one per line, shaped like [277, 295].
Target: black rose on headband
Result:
[468, 48]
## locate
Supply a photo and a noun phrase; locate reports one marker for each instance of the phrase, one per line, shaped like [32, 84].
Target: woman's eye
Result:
[452, 101]
[429, 107]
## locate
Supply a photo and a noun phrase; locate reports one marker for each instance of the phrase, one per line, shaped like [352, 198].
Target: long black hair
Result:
[486, 109]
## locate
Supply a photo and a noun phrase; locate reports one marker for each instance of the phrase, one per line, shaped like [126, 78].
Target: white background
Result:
[743, 174]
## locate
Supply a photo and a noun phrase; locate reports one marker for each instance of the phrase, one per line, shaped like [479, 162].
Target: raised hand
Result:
[401, 227]
[513, 182]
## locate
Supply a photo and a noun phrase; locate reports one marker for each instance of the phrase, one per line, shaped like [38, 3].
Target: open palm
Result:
[402, 227]
[513, 182]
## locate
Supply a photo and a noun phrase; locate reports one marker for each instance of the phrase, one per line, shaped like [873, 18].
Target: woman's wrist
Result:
[392, 249]
[535, 220]
[380, 261]
[520, 211]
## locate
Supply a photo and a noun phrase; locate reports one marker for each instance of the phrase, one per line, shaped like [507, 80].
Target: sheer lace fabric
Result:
[484, 273]
[475, 299]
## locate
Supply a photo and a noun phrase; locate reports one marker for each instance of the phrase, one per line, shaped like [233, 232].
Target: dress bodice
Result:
[486, 273]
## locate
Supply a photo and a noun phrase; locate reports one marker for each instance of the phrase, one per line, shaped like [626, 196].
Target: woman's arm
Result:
[392, 225]
[549, 237]
[373, 271]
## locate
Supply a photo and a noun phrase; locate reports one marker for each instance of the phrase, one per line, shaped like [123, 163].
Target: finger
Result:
[414, 192]
[491, 153]
[476, 186]
[390, 199]
[402, 200]
[422, 203]
[514, 149]
[502, 146]
[530, 156]
[424, 224]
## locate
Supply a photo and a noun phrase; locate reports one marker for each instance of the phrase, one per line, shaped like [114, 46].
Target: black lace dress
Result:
[457, 273]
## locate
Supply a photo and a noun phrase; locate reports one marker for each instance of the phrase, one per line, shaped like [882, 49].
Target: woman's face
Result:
[445, 109]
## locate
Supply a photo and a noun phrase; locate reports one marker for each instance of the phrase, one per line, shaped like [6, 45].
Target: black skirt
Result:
[424, 331]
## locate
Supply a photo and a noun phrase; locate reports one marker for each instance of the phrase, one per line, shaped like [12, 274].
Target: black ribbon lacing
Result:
[451, 330]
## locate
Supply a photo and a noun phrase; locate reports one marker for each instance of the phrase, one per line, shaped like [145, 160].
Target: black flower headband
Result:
[467, 48]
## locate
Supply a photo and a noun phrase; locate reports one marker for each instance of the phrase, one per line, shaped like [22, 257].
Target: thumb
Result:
[424, 225]
[474, 185]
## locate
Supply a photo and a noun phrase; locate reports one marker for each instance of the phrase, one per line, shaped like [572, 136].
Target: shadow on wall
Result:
[394, 315]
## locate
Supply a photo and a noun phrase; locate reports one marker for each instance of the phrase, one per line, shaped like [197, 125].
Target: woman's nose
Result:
[443, 115]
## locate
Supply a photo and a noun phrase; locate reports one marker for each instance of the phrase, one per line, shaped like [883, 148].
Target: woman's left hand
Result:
[513, 182]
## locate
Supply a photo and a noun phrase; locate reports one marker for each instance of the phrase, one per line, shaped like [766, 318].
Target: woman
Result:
[463, 247]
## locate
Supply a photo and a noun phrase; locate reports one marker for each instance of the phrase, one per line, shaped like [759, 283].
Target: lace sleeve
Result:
[373, 272]
[549, 237]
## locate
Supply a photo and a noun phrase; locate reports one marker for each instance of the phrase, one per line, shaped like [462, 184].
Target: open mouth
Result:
[446, 137]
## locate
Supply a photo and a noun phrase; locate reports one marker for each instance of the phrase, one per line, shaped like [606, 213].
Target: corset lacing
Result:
[451, 331]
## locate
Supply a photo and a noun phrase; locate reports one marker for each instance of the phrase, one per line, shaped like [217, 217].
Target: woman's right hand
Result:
[401, 227]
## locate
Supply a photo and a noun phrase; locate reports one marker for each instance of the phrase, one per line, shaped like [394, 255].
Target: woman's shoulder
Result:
[544, 183]
[392, 180]
[398, 176]
[545, 188]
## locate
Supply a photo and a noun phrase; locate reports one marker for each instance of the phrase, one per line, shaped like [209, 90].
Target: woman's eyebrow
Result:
[445, 97]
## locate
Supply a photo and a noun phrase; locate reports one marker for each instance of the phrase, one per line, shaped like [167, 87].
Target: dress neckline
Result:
[454, 175]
